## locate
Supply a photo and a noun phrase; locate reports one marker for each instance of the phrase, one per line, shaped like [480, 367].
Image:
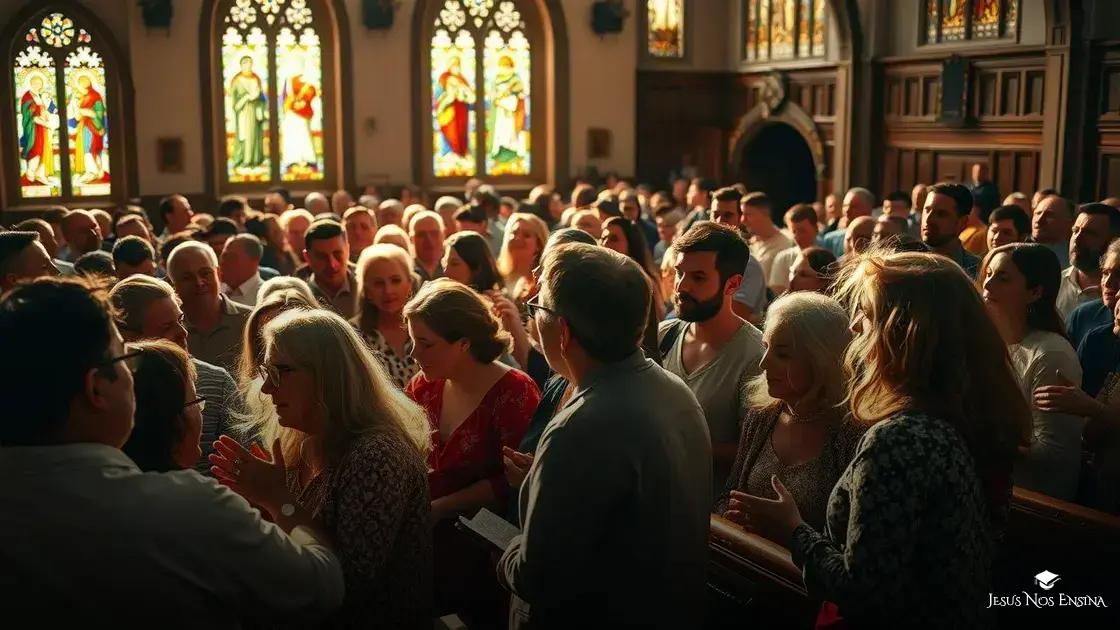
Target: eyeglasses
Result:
[535, 305]
[200, 401]
[272, 373]
[130, 359]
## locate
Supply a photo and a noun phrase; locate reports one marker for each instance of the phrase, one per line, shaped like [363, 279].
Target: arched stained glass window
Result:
[272, 83]
[784, 29]
[62, 105]
[481, 83]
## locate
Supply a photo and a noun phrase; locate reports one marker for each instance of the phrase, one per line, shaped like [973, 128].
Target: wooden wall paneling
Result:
[1108, 179]
[931, 96]
[907, 176]
[1035, 89]
[1004, 169]
[986, 94]
[1009, 94]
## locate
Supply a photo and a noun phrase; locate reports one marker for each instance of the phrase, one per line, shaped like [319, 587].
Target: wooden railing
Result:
[753, 582]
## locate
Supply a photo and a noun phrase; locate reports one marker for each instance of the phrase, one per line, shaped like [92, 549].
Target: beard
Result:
[1086, 260]
[938, 240]
[689, 309]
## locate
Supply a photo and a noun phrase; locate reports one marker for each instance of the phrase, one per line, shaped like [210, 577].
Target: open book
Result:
[489, 528]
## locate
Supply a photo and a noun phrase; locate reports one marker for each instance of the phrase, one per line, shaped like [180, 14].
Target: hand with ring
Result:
[254, 474]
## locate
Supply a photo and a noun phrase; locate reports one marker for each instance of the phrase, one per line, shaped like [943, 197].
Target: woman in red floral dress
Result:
[475, 406]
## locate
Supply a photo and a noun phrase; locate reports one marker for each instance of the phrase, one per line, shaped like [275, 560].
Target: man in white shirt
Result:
[1096, 226]
[83, 527]
[240, 268]
[801, 221]
[766, 239]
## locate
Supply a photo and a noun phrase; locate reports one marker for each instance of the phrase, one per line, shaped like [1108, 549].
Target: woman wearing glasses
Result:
[358, 467]
[168, 419]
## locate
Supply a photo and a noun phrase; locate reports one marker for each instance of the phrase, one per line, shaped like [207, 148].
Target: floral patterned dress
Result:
[908, 542]
[375, 506]
[464, 573]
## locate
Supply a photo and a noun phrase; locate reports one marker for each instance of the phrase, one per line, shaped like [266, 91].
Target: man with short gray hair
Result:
[214, 323]
[598, 540]
[239, 267]
[859, 202]
[425, 230]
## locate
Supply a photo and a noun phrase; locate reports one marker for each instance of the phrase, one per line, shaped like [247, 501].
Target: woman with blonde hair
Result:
[385, 282]
[521, 250]
[258, 422]
[796, 426]
[286, 283]
[475, 406]
[920, 507]
[359, 471]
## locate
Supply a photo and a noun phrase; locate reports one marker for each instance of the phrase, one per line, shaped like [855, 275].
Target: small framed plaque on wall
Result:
[169, 155]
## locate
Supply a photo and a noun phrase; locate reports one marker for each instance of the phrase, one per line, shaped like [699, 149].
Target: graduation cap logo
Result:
[1046, 580]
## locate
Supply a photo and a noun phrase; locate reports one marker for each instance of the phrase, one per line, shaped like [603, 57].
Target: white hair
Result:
[818, 326]
[865, 195]
[447, 200]
[179, 250]
[424, 214]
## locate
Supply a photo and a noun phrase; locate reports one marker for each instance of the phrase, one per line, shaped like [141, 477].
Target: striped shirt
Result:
[217, 387]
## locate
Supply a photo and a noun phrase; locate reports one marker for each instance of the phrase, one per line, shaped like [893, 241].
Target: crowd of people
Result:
[279, 415]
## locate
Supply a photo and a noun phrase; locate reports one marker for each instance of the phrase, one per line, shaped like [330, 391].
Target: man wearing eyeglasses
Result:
[598, 542]
[82, 525]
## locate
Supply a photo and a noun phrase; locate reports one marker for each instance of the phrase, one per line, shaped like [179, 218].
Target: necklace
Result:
[795, 418]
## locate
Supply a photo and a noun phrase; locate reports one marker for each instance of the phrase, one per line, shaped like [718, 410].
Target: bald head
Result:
[82, 232]
[317, 203]
[858, 235]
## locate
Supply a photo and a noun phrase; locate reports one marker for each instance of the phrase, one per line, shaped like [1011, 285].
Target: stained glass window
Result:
[272, 92]
[961, 20]
[784, 29]
[61, 111]
[665, 28]
[502, 100]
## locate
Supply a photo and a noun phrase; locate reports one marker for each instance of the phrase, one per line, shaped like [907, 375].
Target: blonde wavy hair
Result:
[818, 328]
[367, 312]
[925, 342]
[353, 390]
[539, 229]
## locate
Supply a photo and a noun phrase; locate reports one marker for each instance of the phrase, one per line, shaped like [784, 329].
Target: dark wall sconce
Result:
[607, 16]
[378, 14]
[156, 13]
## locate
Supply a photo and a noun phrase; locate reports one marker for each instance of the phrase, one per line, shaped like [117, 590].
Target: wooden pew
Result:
[752, 582]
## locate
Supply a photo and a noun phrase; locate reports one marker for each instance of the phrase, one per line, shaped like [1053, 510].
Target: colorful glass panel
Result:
[247, 120]
[665, 28]
[985, 19]
[298, 64]
[804, 14]
[453, 102]
[751, 20]
[762, 35]
[952, 20]
[820, 20]
[37, 122]
[1011, 19]
[783, 25]
[507, 72]
[932, 20]
[87, 123]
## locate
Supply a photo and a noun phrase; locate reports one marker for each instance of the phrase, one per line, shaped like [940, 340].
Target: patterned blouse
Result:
[473, 451]
[375, 506]
[908, 540]
[401, 369]
[810, 483]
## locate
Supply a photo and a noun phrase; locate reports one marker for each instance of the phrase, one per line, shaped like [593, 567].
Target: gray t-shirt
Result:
[718, 384]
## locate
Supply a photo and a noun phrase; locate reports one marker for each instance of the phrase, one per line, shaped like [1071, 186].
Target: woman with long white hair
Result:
[796, 425]
[359, 469]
